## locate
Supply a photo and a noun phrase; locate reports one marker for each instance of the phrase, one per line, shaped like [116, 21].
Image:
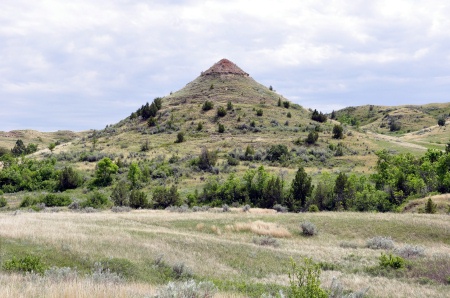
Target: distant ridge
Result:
[224, 67]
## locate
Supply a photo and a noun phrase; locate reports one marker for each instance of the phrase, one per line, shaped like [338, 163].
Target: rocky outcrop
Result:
[224, 67]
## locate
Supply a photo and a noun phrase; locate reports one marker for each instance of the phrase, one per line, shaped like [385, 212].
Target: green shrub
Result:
[69, 179]
[28, 263]
[312, 138]
[97, 200]
[29, 201]
[395, 262]
[221, 128]
[289, 115]
[199, 126]
[232, 161]
[395, 126]
[3, 202]
[430, 207]
[221, 112]
[338, 132]
[151, 121]
[308, 228]
[207, 159]
[164, 197]
[318, 116]
[286, 104]
[305, 280]
[207, 105]
[119, 195]
[56, 200]
[229, 106]
[138, 199]
[180, 137]
[313, 208]
[104, 171]
[276, 152]
[259, 112]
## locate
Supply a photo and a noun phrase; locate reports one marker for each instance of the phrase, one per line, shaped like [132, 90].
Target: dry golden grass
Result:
[16, 285]
[442, 204]
[193, 239]
[263, 228]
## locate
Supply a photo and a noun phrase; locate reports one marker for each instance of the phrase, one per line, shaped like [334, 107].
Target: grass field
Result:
[142, 246]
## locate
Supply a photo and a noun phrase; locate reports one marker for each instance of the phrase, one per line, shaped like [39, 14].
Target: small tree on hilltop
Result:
[441, 121]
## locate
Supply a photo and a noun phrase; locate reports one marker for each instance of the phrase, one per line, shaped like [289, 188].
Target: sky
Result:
[85, 64]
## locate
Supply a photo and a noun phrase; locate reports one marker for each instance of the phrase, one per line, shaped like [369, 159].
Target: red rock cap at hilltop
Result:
[224, 67]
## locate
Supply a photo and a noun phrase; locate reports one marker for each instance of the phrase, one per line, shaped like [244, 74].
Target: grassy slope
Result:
[412, 118]
[215, 248]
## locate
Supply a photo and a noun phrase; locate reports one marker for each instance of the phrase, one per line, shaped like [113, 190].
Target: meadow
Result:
[140, 251]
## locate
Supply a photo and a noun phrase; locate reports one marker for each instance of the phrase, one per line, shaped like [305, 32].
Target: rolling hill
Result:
[255, 144]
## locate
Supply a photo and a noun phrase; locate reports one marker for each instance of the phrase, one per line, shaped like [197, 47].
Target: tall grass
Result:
[127, 244]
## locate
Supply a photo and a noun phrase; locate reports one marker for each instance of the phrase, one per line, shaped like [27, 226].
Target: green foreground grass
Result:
[144, 246]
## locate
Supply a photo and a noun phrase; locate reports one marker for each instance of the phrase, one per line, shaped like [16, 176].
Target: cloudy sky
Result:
[84, 64]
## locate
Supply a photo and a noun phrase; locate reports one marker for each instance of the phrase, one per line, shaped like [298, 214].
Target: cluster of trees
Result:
[27, 174]
[319, 116]
[398, 178]
[20, 148]
[404, 175]
[22, 174]
[148, 111]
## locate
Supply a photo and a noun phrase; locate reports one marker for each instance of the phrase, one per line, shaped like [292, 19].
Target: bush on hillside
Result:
[3, 202]
[190, 288]
[308, 228]
[164, 197]
[207, 105]
[380, 242]
[96, 200]
[29, 263]
[221, 112]
[138, 199]
[68, 179]
[276, 152]
[305, 280]
[56, 200]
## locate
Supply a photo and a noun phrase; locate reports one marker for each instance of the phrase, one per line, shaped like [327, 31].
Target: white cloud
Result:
[88, 53]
